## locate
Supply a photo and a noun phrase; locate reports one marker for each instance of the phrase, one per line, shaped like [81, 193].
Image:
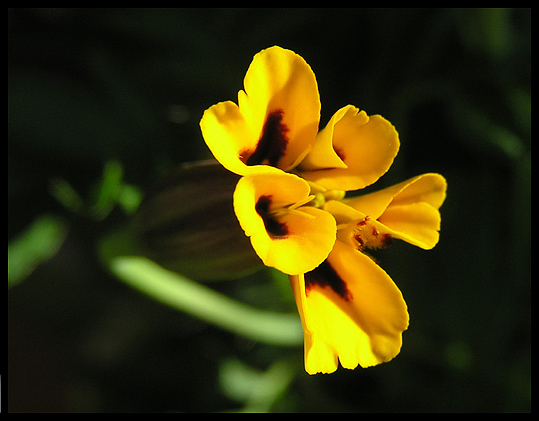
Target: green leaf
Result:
[39, 243]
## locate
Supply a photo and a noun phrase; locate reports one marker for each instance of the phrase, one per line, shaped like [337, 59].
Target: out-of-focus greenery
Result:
[103, 102]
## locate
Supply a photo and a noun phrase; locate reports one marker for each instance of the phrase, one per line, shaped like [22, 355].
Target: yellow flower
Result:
[290, 202]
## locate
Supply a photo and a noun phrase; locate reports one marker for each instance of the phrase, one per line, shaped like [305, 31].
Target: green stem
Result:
[193, 298]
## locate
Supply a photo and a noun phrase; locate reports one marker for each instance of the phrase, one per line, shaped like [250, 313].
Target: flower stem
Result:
[191, 297]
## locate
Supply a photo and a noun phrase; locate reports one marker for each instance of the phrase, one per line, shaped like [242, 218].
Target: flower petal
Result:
[351, 311]
[366, 145]
[226, 133]
[276, 120]
[409, 209]
[323, 155]
[416, 223]
[293, 240]
[429, 188]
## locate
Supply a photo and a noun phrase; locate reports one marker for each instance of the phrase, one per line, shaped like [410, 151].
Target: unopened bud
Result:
[186, 223]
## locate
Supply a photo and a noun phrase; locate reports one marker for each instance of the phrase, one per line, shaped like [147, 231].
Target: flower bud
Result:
[187, 223]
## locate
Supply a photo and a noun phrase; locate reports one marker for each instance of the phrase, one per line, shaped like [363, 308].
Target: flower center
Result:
[364, 234]
[367, 236]
[321, 197]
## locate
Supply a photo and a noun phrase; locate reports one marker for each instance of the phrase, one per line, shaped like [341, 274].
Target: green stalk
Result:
[200, 301]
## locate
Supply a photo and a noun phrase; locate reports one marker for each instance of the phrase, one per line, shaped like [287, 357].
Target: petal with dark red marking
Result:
[285, 235]
[275, 121]
[352, 313]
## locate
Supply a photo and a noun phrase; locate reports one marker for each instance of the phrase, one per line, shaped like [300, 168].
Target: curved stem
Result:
[191, 297]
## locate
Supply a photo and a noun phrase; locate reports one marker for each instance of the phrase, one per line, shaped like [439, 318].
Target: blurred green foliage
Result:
[103, 102]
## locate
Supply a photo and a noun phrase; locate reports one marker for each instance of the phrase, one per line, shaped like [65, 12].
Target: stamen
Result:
[300, 213]
[365, 235]
[316, 188]
[301, 202]
[294, 209]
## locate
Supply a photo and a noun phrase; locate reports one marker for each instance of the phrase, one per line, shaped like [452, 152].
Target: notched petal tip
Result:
[366, 145]
[279, 80]
[430, 188]
[275, 121]
[226, 134]
[360, 327]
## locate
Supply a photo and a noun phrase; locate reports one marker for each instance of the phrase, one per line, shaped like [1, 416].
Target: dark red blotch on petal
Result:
[272, 144]
[325, 275]
[274, 228]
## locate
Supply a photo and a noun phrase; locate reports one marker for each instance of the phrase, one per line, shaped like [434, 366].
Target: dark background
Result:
[87, 86]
